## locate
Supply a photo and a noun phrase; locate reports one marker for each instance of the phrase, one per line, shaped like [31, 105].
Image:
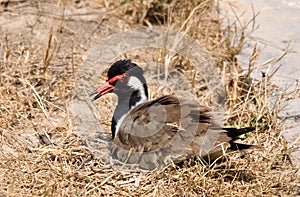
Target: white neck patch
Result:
[136, 84]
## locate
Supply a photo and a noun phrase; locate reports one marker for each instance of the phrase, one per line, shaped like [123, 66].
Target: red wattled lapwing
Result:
[163, 130]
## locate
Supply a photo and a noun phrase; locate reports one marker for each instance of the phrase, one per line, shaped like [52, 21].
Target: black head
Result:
[122, 66]
[122, 78]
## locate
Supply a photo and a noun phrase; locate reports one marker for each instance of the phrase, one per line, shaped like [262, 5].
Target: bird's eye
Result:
[115, 79]
[125, 78]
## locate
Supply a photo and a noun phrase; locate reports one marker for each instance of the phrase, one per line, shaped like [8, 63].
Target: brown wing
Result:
[163, 130]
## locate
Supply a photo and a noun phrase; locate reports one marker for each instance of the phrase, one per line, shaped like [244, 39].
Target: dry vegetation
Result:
[43, 43]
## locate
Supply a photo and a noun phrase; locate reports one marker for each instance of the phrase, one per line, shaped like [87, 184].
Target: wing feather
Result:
[167, 130]
[160, 129]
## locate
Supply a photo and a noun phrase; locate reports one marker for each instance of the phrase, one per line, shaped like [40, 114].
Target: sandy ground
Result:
[277, 28]
[46, 41]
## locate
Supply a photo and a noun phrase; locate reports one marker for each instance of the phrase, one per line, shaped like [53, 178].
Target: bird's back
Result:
[167, 130]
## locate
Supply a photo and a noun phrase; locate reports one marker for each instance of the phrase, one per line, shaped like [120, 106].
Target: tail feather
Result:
[234, 133]
[238, 146]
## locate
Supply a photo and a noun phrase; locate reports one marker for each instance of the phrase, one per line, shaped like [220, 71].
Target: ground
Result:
[43, 46]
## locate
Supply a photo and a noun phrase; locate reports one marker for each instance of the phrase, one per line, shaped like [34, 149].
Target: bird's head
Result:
[123, 78]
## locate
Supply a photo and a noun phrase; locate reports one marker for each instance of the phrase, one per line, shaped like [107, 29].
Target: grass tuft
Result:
[40, 155]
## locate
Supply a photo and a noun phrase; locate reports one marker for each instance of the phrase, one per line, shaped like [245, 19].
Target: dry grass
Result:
[42, 156]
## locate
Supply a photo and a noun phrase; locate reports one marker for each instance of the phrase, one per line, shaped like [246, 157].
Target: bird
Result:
[168, 129]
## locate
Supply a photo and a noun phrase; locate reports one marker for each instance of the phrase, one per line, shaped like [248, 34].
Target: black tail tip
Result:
[234, 132]
[238, 146]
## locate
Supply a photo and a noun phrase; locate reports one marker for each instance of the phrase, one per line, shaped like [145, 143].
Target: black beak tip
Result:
[95, 92]
[96, 97]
